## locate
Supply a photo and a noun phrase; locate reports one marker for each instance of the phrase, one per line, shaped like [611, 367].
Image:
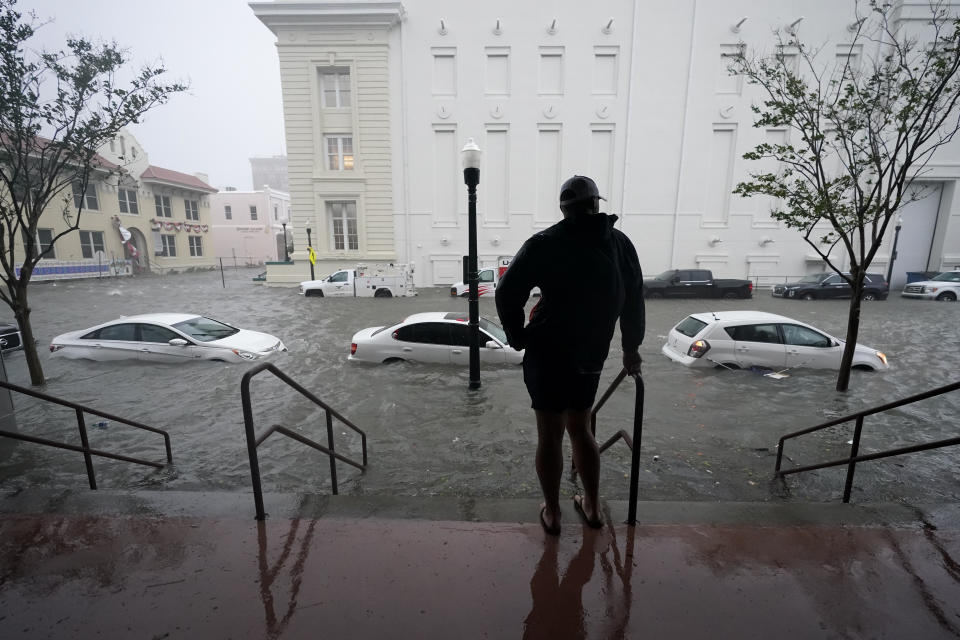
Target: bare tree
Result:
[56, 110]
[864, 132]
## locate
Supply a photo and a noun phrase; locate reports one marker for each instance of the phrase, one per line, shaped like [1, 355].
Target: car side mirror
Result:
[674, 279]
[492, 344]
[177, 342]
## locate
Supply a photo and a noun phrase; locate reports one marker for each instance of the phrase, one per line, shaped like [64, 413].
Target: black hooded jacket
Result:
[589, 275]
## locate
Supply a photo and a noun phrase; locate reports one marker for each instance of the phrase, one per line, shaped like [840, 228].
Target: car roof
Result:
[437, 316]
[160, 318]
[741, 316]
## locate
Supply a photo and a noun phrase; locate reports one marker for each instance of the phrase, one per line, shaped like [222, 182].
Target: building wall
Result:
[245, 240]
[634, 94]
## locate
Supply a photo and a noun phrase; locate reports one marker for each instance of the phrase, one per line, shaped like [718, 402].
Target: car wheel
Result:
[654, 295]
[313, 293]
[862, 367]
[393, 360]
[947, 296]
[382, 293]
[730, 295]
[727, 365]
[868, 296]
[465, 293]
[808, 296]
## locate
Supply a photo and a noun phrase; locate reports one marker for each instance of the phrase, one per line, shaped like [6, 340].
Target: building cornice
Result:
[286, 13]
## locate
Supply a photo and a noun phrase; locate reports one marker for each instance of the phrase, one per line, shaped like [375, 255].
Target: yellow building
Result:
[135, 218]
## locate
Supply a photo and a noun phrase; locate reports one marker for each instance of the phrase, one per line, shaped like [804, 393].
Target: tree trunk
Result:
[22, 313]
[853, 329]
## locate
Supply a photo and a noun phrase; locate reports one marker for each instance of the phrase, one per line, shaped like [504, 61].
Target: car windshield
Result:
[948, 276]
[205, 329]
[815, 278]
[666, 275]
[493, 329]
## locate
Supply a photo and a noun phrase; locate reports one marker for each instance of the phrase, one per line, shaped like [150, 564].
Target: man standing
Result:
[589, 276]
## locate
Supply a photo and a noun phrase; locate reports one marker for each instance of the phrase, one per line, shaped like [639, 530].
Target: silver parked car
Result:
[434, 336]
[741, 339]
[165, 337]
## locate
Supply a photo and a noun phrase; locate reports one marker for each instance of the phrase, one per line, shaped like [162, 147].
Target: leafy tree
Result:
[56, 110]
[862, 132]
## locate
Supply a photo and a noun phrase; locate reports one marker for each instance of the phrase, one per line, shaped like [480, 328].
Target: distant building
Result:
[379, 97]
[135, 218]
[248, 225]
[270, 172]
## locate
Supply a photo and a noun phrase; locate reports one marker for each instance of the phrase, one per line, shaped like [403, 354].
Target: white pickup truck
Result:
[487, 280]
[379, 282]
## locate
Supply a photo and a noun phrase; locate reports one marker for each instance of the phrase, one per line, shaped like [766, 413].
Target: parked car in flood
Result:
[944, 287]
[165, 337]
[741, 339]
[434, 336]
[819, 286]
[10, 338]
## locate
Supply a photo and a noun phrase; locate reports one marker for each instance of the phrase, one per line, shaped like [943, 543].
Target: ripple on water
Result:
[713, 432]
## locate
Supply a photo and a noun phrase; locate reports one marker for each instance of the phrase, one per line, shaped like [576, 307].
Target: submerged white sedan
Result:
[165, 337]
[743, 339]
[434, 336]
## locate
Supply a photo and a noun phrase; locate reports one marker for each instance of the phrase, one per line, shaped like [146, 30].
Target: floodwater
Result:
[708, 434]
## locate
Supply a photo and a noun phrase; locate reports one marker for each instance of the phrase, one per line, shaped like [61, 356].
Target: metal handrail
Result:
[253, 441]
[85, 448]
[854, 457]
[630, 441]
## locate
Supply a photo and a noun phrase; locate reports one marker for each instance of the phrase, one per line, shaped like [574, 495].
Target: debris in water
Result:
[115, 292]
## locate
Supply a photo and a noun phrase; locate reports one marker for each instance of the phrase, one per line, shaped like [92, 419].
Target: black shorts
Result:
[556, 385]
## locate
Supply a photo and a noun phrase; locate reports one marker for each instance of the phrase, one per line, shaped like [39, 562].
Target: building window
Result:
[227, 212]
[339, 153]
[91, 196]
[253, 212]
[196, 246]
[193, 209]
[44, 241]
[276, 215]
[162, 204]
[128, 200]
[169, 243]
[335, 88]
[91, 242]
[343, 225]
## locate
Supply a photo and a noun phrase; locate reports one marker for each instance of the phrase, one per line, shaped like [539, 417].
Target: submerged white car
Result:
[435, 336]
[944, 287]
[165, 337]
[742, 339]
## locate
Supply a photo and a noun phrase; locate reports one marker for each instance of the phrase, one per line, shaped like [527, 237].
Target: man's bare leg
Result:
[550, 462]
[586, 457]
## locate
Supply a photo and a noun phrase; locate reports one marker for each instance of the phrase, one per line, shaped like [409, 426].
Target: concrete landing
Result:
[192, 565]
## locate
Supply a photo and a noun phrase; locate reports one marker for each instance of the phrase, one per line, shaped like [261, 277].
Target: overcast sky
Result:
[233, 110]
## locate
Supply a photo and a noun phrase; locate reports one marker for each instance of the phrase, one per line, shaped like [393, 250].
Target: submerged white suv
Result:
[943, 286]
[741, 339]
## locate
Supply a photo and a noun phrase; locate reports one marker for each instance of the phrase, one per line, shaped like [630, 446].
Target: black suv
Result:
[831, 285]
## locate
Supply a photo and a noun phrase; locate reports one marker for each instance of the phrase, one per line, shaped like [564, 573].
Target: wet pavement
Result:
[196, 565]
[708, 434]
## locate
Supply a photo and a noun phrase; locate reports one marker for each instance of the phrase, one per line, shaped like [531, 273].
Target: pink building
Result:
[247, 226]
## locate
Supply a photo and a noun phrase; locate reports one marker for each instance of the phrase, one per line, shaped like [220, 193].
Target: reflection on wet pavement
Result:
[708, 434]
[312, 575]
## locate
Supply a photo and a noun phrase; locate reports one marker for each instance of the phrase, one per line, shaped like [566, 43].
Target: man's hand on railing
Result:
[632, 362]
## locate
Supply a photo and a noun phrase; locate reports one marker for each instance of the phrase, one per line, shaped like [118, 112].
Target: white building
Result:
[248, 226]
[379, 98]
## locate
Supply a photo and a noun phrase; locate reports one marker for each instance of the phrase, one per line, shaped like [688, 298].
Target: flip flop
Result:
[578, 506]
[554, 530]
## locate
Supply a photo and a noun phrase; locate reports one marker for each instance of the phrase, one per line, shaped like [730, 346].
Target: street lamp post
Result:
[471, 176]
[310, 246]
[893, 253]
[286, 255]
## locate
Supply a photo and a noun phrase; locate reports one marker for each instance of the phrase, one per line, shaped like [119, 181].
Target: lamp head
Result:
[471, 155]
